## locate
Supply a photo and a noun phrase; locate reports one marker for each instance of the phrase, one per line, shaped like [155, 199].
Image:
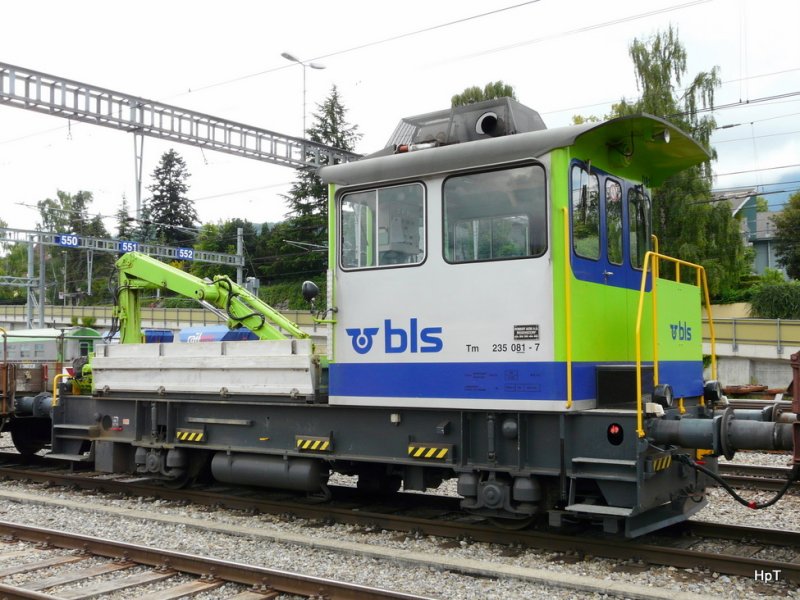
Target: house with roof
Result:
[757, 228]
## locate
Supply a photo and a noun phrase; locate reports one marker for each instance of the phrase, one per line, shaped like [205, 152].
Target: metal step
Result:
[71, 457]
[75, 431]
[604, 468]
[615, 511]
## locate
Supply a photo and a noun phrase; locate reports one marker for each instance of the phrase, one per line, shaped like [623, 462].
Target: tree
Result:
[70, 268]
[13, 263]
[493, 89]
[762, 204]
[169, 216]
[297, 247]
[688, 224]
[123, 217]
[787, 236]
[222, 237]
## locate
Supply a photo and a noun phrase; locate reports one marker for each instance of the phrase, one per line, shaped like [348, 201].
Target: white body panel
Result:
[467, 335]
[271, 367]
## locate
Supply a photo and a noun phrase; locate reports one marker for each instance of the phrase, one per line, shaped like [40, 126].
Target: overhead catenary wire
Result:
[681, 6]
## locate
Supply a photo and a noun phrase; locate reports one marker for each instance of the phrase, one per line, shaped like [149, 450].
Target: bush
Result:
[776, 301]
[288, 295]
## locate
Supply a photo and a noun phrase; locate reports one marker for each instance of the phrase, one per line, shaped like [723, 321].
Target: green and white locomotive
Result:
[495, 315]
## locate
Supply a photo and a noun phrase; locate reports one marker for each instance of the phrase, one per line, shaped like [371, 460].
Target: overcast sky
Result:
[224, 59]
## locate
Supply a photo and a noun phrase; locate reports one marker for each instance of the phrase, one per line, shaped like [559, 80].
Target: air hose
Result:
[792, 477]
[231, 295]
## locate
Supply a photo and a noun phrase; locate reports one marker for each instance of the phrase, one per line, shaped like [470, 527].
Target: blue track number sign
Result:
[69, 240]
[185, 254]
[125, 246]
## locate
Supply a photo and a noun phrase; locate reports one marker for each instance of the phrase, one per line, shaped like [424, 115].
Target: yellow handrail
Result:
[568, 303]
[710, 330]
[55, 387]
[651, 265]
[654, 278]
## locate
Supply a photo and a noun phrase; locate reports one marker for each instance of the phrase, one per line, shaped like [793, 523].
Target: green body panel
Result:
[632, 147]
[559, 194]
[604, 317]
[679, 321]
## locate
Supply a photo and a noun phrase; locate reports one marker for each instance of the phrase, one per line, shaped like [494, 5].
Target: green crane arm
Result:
[138, 272]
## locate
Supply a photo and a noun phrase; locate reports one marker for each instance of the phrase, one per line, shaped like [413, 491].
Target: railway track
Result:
[748, 550]
[46, 563]
[758, 477]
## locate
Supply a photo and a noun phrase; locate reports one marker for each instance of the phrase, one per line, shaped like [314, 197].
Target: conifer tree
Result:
[169, 215]
[296, 248]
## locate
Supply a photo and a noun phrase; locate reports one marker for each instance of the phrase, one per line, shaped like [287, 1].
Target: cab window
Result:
[638, 225]
[495, 215]
[585, 213]
[382, 227]
[614, 221]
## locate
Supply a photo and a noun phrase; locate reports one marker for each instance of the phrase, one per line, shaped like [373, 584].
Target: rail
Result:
[651, 265]
[758, 332]
[781, 333]
[152, 317]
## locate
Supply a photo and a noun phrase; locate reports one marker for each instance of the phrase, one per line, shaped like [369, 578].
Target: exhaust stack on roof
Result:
[477, 121]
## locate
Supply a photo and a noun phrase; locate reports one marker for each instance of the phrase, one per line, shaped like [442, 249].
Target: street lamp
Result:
[313, 65]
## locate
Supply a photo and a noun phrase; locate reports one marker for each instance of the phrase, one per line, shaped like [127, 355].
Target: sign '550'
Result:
[69, 240]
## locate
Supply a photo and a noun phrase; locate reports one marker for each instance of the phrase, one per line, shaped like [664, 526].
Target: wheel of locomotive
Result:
[29, 436]
[198, 468]
[512, 524]
[179, 482]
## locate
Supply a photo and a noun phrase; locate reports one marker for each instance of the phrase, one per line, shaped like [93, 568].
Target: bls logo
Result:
[362, 339]
[397, 339]
[681, 332]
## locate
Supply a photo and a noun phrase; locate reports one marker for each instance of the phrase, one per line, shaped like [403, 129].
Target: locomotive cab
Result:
[522, 307]
[503, 272]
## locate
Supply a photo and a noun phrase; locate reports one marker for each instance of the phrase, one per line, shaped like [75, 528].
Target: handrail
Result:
[650, 264]
[759, 332]
[654, 278]
[568, 303]
[55, 387]
[152, 316]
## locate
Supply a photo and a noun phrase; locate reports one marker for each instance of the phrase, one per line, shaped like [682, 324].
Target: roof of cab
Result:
[636, 144]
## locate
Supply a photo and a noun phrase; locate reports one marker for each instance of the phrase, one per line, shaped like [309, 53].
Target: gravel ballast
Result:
[390, 559]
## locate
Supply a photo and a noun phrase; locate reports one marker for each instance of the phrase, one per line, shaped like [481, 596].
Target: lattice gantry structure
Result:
[53, 95]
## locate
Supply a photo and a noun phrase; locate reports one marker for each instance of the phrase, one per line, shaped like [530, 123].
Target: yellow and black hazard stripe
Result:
[190, 435]
[313, 443]
[661, 462]
[423, 451]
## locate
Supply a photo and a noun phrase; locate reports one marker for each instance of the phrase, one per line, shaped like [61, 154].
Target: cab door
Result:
[602, 262]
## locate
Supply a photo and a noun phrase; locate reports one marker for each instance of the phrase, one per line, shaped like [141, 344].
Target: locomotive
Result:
[495, 313]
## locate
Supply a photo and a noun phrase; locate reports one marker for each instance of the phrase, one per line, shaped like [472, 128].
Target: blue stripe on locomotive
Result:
[490, 380]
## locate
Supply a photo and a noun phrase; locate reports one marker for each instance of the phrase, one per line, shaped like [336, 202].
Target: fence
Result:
[152, 317]
[779, 333]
